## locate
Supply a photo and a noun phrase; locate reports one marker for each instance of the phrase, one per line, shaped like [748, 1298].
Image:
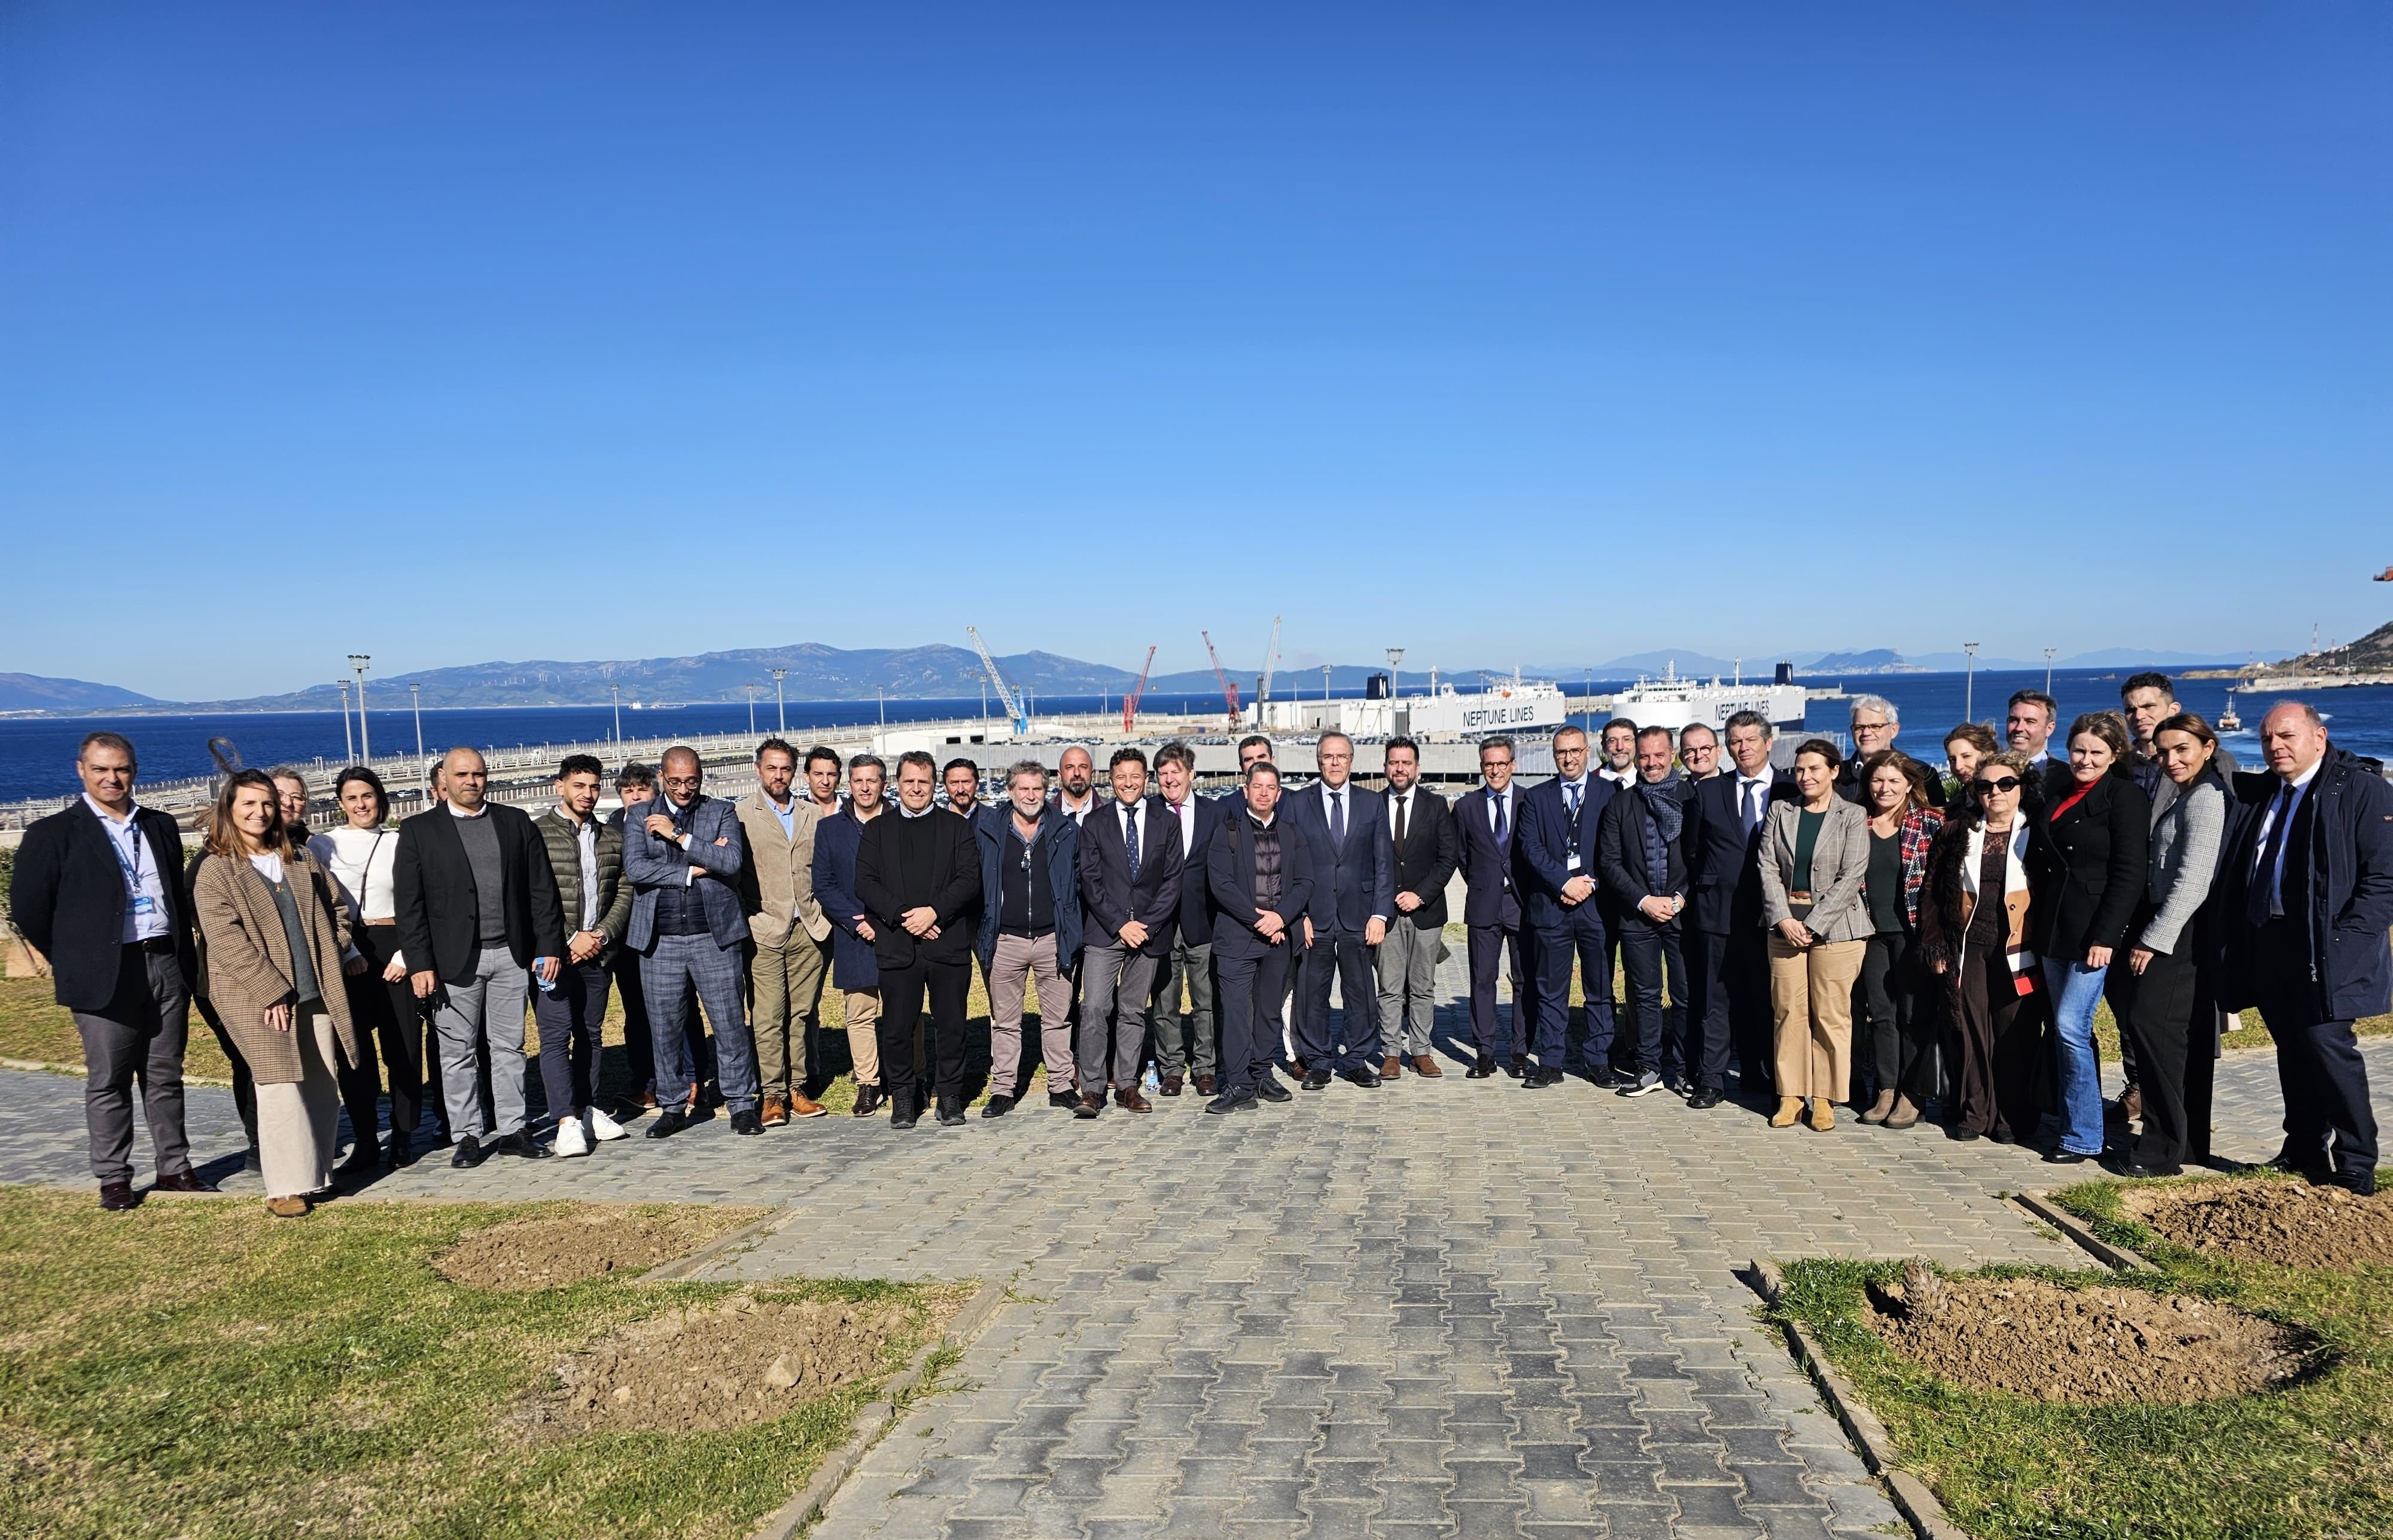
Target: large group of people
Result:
[1842, 929]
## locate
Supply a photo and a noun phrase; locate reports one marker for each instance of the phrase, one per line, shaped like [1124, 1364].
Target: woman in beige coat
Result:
[1814, 856]
[272, 936]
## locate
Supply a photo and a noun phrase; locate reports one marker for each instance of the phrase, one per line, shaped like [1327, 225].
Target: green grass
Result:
[2312, 1460]
[198, 1368]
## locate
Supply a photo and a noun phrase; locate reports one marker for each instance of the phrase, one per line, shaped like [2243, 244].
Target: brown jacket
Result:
[245, 957]
[780, 891]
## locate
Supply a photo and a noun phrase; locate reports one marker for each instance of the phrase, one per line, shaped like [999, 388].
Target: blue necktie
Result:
[1496, 801]
[1570, 795]
[1752, 799]
[1130, 840]
[2265, 898]
[1338, 816]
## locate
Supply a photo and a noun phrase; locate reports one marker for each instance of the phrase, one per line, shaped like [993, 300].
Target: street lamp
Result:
[617, 692]
[752, 710]
[348, 741]
[359, 660]
[2048, 669]
[1969, 685]
[780, 707]
[415, 704]
[1325, 681]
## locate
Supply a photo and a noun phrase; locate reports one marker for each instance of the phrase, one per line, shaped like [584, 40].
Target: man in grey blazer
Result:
[685, 861]
[1354, 894]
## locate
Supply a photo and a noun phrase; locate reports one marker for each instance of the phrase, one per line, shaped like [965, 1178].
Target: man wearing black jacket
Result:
[478, 912]
[1732, 962]
[1259, 867]
[918, 877]
[1421, 828]
[1640, 858]
[99, 890]
[2309, 887]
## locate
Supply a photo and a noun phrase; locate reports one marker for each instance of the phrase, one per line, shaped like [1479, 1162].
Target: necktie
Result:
[1570, 795]
[1496, 801]
[1338, 816]
[1130, 839]
[1404, 805]
[1750, 793]
[2265, 897]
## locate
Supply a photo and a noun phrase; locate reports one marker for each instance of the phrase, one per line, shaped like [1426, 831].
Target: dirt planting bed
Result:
[2084, 1346]
[2289, 1223]
[741, 1362]
[591, 1241]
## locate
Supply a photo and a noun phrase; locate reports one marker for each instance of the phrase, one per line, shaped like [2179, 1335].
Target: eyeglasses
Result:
[680, 780]
[2004, 783]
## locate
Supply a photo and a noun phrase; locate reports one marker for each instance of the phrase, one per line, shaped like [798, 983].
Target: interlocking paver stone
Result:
[1436, 1308]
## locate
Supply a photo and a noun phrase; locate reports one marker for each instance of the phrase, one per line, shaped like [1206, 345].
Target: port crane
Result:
[1229, 691]
[1138, 692]
[1014, 708]
[1271, 662]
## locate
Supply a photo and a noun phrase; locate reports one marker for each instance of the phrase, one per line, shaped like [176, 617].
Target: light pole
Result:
[618, 691]
[1587, 700]
[1969, 685]
[1395, 656]
[752, 710]
[2048, 669]
[1325, 681]
[348, 741]
[359, 660]
[880, 694]
[415, 704]
[780, 707]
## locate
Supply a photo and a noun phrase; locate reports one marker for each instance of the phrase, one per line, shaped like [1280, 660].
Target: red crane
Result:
[1229, 691]
[1130, 701]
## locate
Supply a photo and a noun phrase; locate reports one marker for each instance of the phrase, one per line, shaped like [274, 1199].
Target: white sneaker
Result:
[570, 1140]
[602, 1128]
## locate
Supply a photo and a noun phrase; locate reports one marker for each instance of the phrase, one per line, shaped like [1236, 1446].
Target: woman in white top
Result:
[358, 856]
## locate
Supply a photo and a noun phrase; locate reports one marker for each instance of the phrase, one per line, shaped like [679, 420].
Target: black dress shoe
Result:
[951, 1113]
[904, 1112]
[1272, 1091]
[997, 1106]
[1481, 1068]
[1608, 1079]
[470, 1152]
[1230, 1101]
[1961, 1133]
[2134, 1172]
[749, 1121]
[1314, 1079]
[2358, 1184]
[365, 1161]
[1515, 1069]
[520, 1145]
[1704, 1099]
[401, 1151]
[118, 1197]
[670, 1121]
[184, 1181]
[1359, 1075]
[2065, 1157]
[1063, 1101]
[868, 1100]
[1537, 1080]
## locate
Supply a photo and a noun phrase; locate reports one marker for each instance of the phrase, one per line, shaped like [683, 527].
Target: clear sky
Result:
[1508, 333]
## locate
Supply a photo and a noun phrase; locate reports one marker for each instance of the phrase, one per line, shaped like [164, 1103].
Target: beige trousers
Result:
[1019, 960]
[1811, 1009]
[864, 1033]
[788, 980]
[299, 1122]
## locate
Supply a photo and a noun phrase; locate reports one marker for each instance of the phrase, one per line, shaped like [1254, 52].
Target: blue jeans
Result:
[2076, 990]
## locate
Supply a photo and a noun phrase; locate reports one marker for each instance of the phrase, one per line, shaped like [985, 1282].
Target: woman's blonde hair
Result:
[224, 839]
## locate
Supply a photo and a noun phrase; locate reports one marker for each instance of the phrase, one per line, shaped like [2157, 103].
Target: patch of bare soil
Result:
[2285, 1222]
[741, 1362]
[595, 1241]
[2083, 1346]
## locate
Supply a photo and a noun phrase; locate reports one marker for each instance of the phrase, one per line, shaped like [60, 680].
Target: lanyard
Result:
[131, 868]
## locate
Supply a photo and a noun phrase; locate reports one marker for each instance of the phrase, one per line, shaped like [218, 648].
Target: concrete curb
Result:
[2118, 1257]
[680, 1267]
[1912, 1498]
[879, 1417]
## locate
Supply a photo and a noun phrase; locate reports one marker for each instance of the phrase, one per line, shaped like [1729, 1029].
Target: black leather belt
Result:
[155, 944]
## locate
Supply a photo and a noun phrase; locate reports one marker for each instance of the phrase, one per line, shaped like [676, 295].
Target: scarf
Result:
[2017, 953]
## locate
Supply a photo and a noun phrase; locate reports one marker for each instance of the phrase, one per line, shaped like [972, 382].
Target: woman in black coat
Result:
[2101, 827]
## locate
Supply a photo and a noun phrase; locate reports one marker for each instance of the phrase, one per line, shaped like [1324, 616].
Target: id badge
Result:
[144, 905]
[1572, 864]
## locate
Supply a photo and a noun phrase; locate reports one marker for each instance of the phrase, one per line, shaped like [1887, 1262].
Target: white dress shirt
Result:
[145, 883]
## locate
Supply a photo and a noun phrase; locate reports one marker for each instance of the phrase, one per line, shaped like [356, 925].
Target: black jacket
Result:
[1489, 897]
[439, 915]
[1197, 906]
[1943, 929]
[1230, 871]
[1849, 783]
[1110, 898]
[2103, 841]
[1723, 861]
[1425, 858]
[1621, 844]
[67, 898]
[2350, 860]
[950, 888]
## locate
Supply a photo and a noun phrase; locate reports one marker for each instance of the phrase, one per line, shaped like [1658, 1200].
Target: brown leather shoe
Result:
[2131, 1103]
[1391, 1067]
[648, 1101]
[1208, 1086]
[1089, 1105]
[1129, 1097]
[287, 1209]
[189, 1182]
[117, 1198]
[1172, 1085]
[802, 1105]
[1424, 1065]
[776, 1112]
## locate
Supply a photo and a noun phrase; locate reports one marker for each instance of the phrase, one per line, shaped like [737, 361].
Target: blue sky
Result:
[455, 333]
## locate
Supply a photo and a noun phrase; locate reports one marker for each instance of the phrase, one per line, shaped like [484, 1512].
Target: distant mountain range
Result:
[819, 673]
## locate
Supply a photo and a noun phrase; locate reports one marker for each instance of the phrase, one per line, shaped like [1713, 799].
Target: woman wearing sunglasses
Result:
[1984, 872]
[2101, 827]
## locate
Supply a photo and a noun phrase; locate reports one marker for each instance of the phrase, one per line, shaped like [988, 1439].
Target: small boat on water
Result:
[2228, 721]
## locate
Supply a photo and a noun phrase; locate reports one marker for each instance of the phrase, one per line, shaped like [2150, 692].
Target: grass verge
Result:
[2312, 1460]
[198, 1368]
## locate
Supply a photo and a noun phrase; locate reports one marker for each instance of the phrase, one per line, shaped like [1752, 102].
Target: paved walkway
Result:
[1449, 1308]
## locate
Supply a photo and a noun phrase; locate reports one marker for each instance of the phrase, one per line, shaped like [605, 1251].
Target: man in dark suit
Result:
[1640, 859]
[2030, 718]
[2308, 884]
[1129, 902]
[1191, 957]
[1260, 868]
[1354, 894]
[685, 860]
[1555, 858]
[918, 877]
[1486, 822]
[1877, 724]
[99, 890]
[1421, 846]
[1731, 947]
[478, 912]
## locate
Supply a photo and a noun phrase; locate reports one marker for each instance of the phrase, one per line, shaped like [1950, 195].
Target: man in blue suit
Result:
[683, 862]
[1486, 824]
[1354, 894]
[1728, 945]
[1557, 867]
